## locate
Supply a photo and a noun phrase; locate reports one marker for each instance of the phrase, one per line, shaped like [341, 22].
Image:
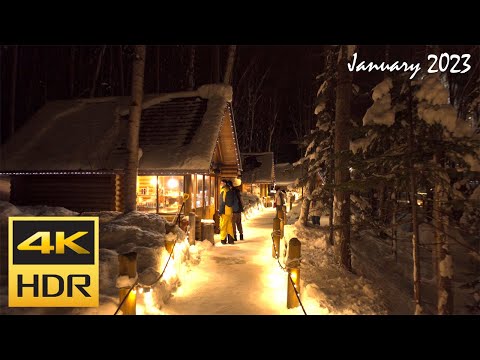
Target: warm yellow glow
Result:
[293, 275]
[172, 183]
[153, 181]
[140, 291]
[419, 202]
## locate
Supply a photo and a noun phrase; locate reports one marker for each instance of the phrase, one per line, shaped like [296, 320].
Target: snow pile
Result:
[148, 230]
[332, 289]
[121, 233]
[210, 91]
[6, 210]
[381, 112]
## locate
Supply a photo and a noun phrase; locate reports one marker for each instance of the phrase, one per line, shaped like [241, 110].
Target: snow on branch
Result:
[381, 112]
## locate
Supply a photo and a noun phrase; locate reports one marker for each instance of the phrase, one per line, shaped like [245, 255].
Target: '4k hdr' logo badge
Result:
[53, 261]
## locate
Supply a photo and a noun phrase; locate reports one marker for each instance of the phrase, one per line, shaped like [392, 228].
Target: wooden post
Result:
[127, 266]
[281, 216]
[276, 238]
[291, 202]
[293, 268]
[207, 231]
[169, 246]
[189, 191]
[191, 234]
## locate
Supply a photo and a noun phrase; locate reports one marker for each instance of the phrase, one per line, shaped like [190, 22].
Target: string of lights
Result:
[277, 232]
[147, 288]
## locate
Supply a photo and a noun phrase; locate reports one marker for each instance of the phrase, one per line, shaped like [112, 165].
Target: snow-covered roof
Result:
[258, 168]
[286, 174]
[178, 133]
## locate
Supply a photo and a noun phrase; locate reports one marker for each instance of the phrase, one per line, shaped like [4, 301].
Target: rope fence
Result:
[147, 288]
[293, 262]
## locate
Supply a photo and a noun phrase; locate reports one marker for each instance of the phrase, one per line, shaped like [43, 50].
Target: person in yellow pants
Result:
[226, 213]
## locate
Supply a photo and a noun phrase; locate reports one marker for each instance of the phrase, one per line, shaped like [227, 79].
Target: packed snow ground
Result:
[235, 279]
[244, 279]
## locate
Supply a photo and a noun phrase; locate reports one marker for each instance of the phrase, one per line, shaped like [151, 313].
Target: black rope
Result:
[125, 298]
[289, 276]
[277, 253]
[297, 294]
[177, 220]
[157, 280]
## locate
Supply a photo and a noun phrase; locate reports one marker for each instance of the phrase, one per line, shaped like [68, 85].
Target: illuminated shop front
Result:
[160, 194]
[164, 194]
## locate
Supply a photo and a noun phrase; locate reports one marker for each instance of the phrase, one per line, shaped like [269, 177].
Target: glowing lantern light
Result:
[153, 181]
[172, 183]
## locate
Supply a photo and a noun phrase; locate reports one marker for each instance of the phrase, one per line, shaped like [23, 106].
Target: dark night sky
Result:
[44, 74]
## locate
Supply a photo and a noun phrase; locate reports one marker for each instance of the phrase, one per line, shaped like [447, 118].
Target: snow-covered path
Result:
[236, 279]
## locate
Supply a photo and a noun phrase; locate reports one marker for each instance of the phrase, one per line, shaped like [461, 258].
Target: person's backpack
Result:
[240, 204]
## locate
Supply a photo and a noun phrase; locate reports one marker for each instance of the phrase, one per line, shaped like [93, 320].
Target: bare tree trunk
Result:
[216, 64]
[191, 69]
[121, 71]
[273, 123]
[394, 226]
[11, 124]
[305, 209]
[1, 102]
[252, 127]
[331, 179]
[97, 71]
[157, 70]
[382, 186]
[443, 264]
[73, 51]
[110, 72]
[131, 170]
[227, 79]
[413, 203]
[342, 174]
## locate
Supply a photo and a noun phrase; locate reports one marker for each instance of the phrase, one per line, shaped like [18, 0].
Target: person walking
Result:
[237, 210]
[279, 199]
[225, 210]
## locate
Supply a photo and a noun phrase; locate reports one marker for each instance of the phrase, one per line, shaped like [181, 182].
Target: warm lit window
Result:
[199, 198]
[147, 193]
[207, 191]
[170, 194]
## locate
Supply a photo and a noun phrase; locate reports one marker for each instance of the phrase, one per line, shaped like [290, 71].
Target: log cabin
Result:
[72, 153]
[258, 176]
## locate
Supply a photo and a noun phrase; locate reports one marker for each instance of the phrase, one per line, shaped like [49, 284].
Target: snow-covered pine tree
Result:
[408, 125]
[318, 157]
[454, 151]
[341, 201]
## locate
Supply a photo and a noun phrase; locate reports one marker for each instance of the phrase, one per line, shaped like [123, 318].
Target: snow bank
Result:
[7, 209]
[327, 288]
[122, 233]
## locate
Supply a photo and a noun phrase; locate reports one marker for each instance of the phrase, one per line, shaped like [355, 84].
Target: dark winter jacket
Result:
[237, 201]
[225, 201]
